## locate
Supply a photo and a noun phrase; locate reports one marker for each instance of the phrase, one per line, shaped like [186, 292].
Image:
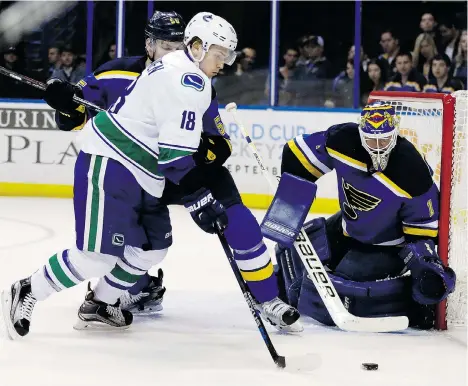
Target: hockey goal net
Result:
[437, 125]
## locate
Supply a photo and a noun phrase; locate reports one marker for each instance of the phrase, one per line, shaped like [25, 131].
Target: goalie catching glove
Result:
[432, 282]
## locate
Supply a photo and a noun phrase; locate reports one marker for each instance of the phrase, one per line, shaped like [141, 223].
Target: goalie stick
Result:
[278, 359]
[316, 271]
[41, 86]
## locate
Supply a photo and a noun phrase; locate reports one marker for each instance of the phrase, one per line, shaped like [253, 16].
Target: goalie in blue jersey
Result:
[380, 247]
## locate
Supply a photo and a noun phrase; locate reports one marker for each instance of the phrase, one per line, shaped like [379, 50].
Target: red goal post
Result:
[437, 125]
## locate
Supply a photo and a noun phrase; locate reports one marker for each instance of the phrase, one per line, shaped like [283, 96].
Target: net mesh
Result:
[421, 123]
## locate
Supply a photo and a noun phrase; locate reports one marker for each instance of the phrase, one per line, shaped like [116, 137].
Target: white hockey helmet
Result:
[212, 29]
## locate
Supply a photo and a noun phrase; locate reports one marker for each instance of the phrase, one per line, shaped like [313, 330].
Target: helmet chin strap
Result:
[196, 61]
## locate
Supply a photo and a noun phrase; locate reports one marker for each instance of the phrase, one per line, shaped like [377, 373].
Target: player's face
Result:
[439, 69]
[374, 72]
[214, 60]
[378, 144]
[403, 65]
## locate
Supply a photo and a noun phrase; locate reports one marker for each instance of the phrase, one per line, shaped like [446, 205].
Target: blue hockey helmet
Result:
[167, 26]
[378, 128]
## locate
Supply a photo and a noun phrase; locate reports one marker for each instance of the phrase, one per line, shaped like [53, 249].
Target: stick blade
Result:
[387, 324]
[280, 362]
[231, 106]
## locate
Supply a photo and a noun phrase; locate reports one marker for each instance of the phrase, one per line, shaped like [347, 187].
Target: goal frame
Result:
[446, 164]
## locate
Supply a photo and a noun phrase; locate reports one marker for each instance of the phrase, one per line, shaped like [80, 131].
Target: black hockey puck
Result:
[370, 366]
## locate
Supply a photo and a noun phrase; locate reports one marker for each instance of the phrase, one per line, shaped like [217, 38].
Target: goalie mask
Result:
[378, 128]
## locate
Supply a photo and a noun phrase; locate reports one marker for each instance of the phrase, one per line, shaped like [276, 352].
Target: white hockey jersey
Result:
[157, 121]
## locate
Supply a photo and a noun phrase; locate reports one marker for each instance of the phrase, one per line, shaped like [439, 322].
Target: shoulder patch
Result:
[194, 81]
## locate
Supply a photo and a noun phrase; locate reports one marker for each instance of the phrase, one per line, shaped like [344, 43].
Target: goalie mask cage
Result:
[437, 125]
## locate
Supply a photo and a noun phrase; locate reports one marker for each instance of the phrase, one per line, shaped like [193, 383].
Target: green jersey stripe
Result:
[125, 144]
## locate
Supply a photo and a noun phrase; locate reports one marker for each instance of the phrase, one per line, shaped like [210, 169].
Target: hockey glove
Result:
[432, 282]
[59, 95]
[213, 150]
[205, 210]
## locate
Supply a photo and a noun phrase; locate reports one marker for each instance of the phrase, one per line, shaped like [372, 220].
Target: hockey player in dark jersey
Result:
[387, 225]
[164, 33]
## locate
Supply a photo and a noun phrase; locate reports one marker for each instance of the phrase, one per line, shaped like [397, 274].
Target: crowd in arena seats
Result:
[437, 62]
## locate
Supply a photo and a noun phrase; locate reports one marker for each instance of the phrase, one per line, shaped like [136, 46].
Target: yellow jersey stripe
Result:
[420, 232]
[346, 159]
[303, 160]
[261, 274]
[116, 74]
[392, 185]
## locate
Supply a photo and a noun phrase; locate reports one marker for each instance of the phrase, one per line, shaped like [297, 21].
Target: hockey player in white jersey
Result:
[150, 134]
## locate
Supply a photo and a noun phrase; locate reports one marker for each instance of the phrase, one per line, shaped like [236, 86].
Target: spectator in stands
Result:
[11, 88]
[440, 80]
[391, 47]
[309, 82]
[284, 73]
[449, 38]
[302, 54]
[68, 70]
[460, 68]
[377, 74]
[343, 86]
[290, 58]
[246, 61]
[407, 78]
[364, 58]
[316, 65]
[110, 54]
[53, 56]
[424, 50]
[428, 23]
[246, 85]
[374, 79]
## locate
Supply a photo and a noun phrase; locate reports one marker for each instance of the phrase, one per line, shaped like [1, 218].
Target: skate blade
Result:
[148, 311]
[87, 325]
[6, 308]
[292, 328]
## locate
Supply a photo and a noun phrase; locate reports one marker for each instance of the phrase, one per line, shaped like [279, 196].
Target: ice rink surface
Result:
[204, 336]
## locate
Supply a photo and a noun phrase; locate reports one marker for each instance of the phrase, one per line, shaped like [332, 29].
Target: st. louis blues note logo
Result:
[357, 200]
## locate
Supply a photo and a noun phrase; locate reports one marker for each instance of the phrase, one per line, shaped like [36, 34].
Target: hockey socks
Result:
[57, 274]
[142, 283]
[245, 238]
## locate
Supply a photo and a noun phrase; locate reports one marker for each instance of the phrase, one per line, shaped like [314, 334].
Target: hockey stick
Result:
[278, 359]
[41, 86]
[316, 272]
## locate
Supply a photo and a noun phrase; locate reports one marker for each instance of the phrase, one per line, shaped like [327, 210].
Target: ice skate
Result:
[96, 315]
[148, 301]
[17, 307]
[281, 315]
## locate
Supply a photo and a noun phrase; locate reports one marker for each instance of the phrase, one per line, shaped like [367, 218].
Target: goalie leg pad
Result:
[290, 265]
[365, 299]
[287, 212]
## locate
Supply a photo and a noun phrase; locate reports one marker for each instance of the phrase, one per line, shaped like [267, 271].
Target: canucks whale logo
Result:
[194, 81]
[357, 200]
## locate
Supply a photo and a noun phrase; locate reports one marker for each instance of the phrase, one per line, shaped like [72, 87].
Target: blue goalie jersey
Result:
[386, 208]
